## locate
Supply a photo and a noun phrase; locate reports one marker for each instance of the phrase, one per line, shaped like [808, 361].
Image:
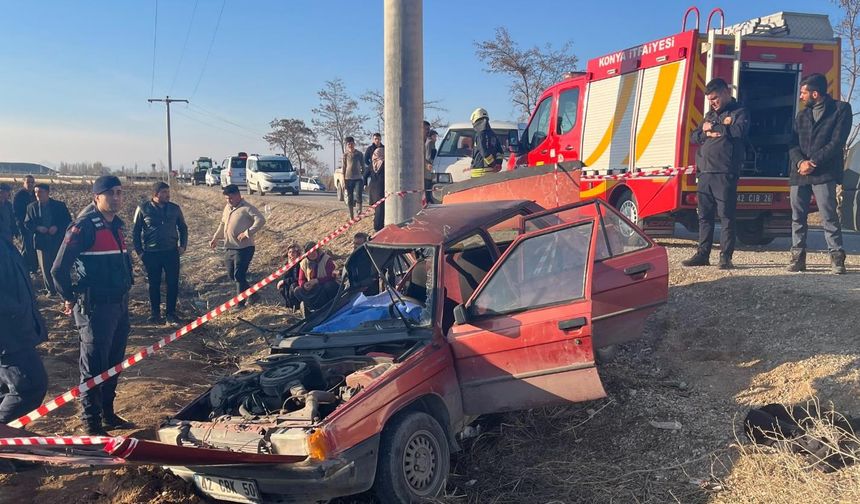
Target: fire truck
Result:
[628, 118]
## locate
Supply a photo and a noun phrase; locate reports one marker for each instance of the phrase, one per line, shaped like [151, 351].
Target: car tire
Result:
[260, 190]
[339, 190]
[627, 205]
[248, 189]
[295, 192]
[414, 459]
[751, 232]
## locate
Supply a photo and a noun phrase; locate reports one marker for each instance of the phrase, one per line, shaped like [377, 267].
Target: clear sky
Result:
[76, 75]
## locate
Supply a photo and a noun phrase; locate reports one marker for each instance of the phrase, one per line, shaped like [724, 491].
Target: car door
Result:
[631, 272]
[567, 123]
[524, 337]
[538, 137]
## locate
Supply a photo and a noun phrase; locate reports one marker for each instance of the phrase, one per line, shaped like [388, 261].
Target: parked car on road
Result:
[266, 174]
[199, 168]
[213, 176]
[312, 184]
[233, 170]
[454, 155]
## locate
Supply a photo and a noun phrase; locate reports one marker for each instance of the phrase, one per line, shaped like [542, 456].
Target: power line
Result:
[184, 45]
[209, 51]
[214, 115]
[154, 40]
[208, 123]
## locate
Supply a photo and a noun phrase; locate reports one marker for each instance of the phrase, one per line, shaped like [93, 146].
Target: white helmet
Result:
[479, 113]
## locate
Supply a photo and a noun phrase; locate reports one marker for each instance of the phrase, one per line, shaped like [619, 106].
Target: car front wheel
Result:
[414, 460]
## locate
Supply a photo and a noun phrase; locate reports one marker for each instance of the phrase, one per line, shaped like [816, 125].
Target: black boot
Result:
[113, 421]
[798, 261]
[837, 262]
[725, 263]
[698, 259]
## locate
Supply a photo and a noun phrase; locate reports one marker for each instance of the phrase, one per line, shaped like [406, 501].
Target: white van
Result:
[233, 170]
[271, 174]
[454, 154]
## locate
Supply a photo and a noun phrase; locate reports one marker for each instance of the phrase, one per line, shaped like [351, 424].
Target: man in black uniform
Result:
[488, 151]
[718, 164]
[95, 247]
[22, 199]
[160, 236]
[23, 381]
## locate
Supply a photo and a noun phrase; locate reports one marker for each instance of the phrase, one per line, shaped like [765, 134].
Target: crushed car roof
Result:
[449, 223]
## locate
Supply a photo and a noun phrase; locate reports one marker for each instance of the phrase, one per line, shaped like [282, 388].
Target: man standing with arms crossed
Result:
[22, 199]
[95, 247]
[817, 153]
[719, 159]
[160, 236]
[240, 222]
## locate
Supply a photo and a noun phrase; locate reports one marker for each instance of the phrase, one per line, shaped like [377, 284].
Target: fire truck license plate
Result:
[228, 489]
[755, 198]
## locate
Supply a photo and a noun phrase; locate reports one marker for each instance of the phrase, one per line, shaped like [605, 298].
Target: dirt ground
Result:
[726, 341]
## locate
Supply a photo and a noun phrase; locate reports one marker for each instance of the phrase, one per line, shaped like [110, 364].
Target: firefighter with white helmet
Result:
[488, 150]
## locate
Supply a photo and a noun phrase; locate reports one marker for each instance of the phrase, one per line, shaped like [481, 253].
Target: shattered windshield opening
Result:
[386, 288]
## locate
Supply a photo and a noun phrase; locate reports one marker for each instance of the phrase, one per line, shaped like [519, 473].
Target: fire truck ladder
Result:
[710, 47]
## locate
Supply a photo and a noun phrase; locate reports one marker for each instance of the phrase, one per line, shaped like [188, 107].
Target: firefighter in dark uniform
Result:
[488, 151]
[721, 153]
[95, 248]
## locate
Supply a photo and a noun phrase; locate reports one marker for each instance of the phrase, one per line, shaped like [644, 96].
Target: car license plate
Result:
[755, 198]
[228, 489]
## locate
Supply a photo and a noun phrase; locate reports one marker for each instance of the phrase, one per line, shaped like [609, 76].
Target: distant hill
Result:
[25, 169]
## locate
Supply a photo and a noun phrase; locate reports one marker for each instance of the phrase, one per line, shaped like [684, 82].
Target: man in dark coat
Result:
[160, 236]
[721, 153]
[47, 219]
[368, 152]
[817, 152]
[8, 226]
[23, 381]
[22, 199]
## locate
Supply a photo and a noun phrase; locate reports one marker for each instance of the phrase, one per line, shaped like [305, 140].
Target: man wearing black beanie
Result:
[95, 247]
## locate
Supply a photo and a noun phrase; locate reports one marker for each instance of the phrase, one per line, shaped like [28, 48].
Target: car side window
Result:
[538, 129]
[542, 270]
[568, 102]
[616, 237]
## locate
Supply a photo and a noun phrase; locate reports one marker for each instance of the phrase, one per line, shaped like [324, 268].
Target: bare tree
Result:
[316, 167]
[293, 139]
[531, 70]
[846, 28]
[337, 115]
[376, 100]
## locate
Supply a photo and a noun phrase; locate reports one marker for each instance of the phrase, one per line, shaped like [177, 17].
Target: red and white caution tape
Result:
[664, 172]
[76, 392]
[60, 440]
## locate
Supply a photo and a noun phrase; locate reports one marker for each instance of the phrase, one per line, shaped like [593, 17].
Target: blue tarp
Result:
[365, 309]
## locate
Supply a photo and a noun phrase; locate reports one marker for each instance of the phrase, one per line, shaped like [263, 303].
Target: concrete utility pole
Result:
[168, 100]
[404, 103]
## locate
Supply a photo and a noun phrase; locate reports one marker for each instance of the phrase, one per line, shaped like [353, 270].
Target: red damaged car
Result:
[465, 310]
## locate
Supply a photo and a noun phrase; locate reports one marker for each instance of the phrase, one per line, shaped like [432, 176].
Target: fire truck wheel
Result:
[414, 459]
[751, 232]
[626, 204]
